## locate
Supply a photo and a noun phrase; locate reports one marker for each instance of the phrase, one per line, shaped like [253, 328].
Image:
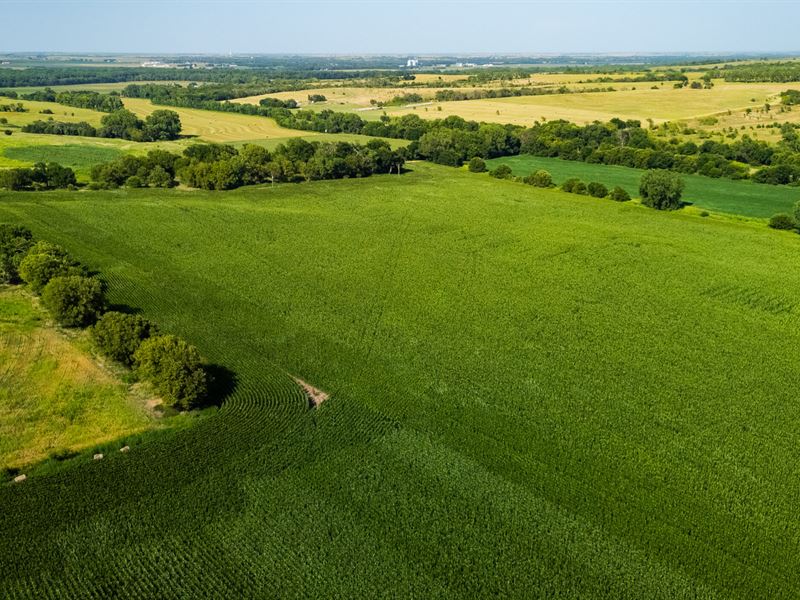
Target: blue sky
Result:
[410, 27]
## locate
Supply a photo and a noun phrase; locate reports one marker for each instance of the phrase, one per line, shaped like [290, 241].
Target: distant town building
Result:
[412, 63]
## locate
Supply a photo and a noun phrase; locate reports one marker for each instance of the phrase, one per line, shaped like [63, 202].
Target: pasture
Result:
[54, 396]
[60, 112]
[744, 198]
[642, 103]
[533, 394]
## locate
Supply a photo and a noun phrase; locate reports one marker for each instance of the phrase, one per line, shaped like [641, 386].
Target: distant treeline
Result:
[775, 72]
[511, 92]
[196, 95]
[41, 76]
[223, 167]
[77, 99]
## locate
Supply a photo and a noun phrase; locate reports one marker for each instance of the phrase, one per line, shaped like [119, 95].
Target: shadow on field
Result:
[221, 384]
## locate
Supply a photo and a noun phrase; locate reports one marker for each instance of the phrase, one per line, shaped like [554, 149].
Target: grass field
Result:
[663, 104]
[53, 395]
[60, 113]
[533, 394]
[725, 195]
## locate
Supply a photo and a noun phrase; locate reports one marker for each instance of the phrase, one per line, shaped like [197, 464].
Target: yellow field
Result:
[216, 126]
[341, 98]
[60, 113]
[662, 104]
[53, 394]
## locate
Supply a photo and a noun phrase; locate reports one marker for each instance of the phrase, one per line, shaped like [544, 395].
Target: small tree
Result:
[619, 194]
[134, 181]
[782, 221]
[119, 336]
[15, 241]
[74, 301]
[43, 262]
[579, 188]
[501, 172]
[569, 184]
[477, 165]
[661, 190]
[598, 190]
[796, 213]
[160, 177]
[174, 368]
[539, 178]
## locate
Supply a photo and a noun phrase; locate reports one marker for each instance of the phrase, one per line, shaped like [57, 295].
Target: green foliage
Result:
[42, 176]
[661, 190]
[477, 165]
[782, 221]
[174, 368]
[501, 172]
[596, 189]
[796, 212]
[15, 241]
[158, 126]
[540, 178]
[619, 194]
[119, 335]
[43, 262]
[74, 301]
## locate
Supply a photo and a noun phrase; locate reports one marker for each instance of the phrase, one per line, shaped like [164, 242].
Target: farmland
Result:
[736, 197]
[533, 394]
[53, 396]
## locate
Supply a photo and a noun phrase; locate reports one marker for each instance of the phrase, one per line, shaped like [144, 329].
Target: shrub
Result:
[579, 188]
[174, 368]
[501, 172]
[43, 262]
[134, 181]
[705, 213]
[782, 221]
[118, 335]
[598, 190]
[796, 213]
[74, 301]
[15, 242]
[160, 177]
[661, 190]
[477, 165]
[7, 131]
[539, 178]
[619, 194]
[569, 184]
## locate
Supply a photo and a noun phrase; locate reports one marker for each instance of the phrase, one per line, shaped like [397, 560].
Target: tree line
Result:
[77, 99]
[41, 176]
[160, 125]
[223, 167]
[75, 298]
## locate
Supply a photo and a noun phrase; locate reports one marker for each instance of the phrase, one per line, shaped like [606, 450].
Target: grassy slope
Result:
[737, 197]
[53, 396]
[533, 394]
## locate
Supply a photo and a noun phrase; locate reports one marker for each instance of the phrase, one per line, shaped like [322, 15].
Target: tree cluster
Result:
[77, 99]
[41, 176]
[156, 169]
[52, 127]
[159, 125]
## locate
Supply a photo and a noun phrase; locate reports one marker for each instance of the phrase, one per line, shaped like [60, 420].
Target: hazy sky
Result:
[373, 27]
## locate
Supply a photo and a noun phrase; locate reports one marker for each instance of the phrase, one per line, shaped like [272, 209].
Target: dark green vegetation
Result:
[79, 99]
[41, 176]
[738, 197]
[660, 189]
[532, 395]
[224, 167]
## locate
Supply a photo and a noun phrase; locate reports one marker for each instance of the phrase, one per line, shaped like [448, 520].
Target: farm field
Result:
[533, 394]
[54, 396]
[224, 127]
[744, 198]
[60, 113]
[662, 104]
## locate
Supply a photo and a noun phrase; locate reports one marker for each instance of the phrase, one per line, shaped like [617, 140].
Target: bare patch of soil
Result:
[315, 396]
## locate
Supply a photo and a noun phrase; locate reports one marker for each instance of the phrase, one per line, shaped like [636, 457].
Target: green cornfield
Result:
[532, 394]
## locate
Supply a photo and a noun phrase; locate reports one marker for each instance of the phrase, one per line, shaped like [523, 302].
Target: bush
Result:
[501, 172]
[15, 242]
[174, 368]
[619, 194]
[782, 221]
[539, 178]
[7, 131]
[134, 181]
[118, 336]
[43, 262]
[74, 301]
[579, 188]
[598, 190]
[569, 184]
[477, 165]
[796, 213]
[661, 190]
